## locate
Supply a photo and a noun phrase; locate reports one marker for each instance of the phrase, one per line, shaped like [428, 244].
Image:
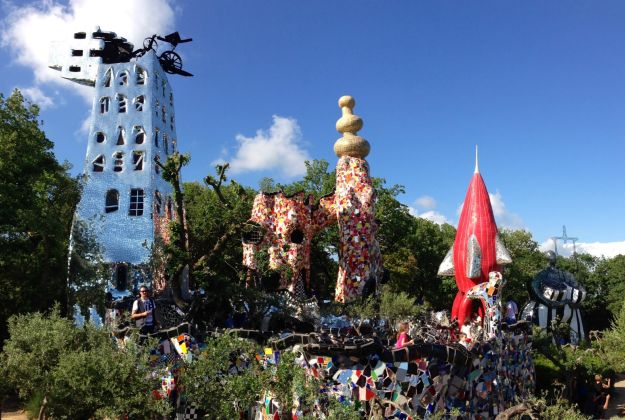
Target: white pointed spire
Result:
[477, 168]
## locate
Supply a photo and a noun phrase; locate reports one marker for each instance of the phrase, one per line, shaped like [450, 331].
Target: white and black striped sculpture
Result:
[556, 295]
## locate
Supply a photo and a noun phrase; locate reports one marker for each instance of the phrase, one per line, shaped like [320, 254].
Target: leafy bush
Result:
[77, 372]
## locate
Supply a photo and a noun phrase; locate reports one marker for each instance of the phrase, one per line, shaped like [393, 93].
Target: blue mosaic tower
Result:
[132, 123]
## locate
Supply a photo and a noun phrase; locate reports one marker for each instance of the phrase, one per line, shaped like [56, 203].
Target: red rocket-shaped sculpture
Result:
[477, 249]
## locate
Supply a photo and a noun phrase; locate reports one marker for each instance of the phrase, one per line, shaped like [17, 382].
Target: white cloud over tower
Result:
[27, 31]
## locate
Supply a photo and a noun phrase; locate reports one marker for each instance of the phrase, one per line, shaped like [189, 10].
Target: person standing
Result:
[512, 311]
[143, 311]
[403, 339]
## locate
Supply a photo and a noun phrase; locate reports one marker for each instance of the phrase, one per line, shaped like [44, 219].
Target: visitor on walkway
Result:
[601, 397]
[403, 339]
[512, 312]
[143, 311]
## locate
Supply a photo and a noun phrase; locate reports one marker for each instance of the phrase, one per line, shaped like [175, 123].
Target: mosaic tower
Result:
[132, 123]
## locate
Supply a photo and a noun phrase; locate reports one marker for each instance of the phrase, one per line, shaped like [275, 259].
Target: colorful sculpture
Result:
[490, 296]
[290, 222]
[556, 296]
[477, 249]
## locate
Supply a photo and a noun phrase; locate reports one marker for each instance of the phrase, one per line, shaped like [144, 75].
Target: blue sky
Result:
[540, 86]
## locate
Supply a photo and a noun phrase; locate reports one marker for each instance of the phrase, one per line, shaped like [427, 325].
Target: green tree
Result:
[527, 261]
[77, 372]
[605, 292]
[225, 378]
[37, 202]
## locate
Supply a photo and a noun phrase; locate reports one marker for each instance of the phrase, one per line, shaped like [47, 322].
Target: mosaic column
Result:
[354, 206]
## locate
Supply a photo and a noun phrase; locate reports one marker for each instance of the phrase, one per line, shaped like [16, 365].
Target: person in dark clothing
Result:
[601, 398]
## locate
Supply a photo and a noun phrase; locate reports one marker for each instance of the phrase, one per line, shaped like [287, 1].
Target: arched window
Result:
[122, 78]
[166, 144]
[171, 123]
[100, 137]
[136, 202]
[139, 134]
[98, 164]
[118, 161]
[139, 101]
[112, 201]
[141, 75]
[158, 202]
[164, 114]
[137, 161]
[107, 78]
[156, 137]
[121, 103]
[104, 104]
[121, 136]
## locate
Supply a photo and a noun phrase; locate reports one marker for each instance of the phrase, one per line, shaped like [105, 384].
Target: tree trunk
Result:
[42, 409]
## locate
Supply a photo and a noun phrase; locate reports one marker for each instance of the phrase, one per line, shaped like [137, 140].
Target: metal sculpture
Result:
[170, 60]
[477, 249]
[290, 222]
[556, 297]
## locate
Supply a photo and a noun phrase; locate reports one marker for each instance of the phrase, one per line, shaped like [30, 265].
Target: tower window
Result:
[121, 136]
[100, 137]
[118, 161]
[80, 35]
[137, 160]
[139, 101]
[112, 201]
[107, 78]
[156, 138]
[157, 169]
[121, 103]
[77, 53]
[156, 107]
[98, 164]
[166, 144]
[164, 114]
[158, 202]
[122, 79]
[104, 104]
[139, 134]
[164, 86]
[136, 202]
[171, 99]
[141, 75]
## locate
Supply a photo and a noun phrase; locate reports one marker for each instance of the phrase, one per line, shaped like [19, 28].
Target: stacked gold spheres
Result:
[348, 125]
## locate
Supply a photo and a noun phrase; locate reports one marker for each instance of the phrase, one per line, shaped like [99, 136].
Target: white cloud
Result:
[27, 30]
[597, 249]
[37, 96]
[434, 216]
[279, 148]
[503, 217]
[426, 202]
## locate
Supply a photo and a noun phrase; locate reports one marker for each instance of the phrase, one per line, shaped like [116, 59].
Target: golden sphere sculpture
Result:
[348, 125]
